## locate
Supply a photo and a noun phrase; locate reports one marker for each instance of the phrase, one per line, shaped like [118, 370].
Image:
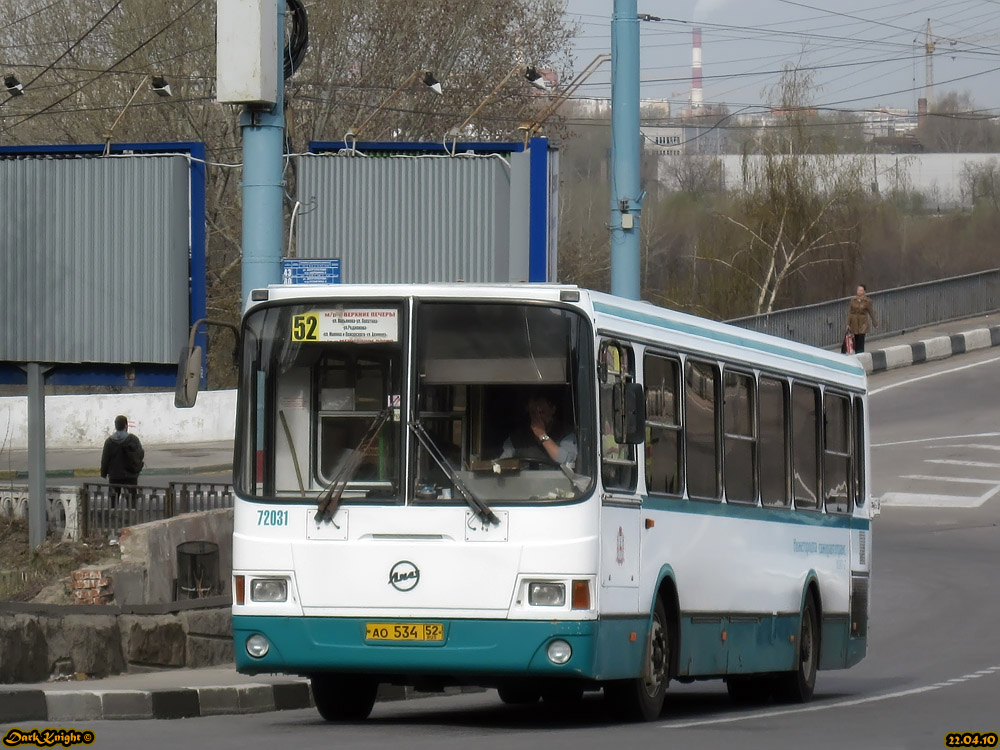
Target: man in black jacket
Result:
[121, 461]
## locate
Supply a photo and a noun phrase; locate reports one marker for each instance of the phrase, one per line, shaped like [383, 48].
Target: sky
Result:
[862, 55]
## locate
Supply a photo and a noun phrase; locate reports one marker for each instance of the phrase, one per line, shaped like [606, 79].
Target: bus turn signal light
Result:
[238, 589]
[581, 595]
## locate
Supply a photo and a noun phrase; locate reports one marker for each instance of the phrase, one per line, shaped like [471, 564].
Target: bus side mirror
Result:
[629, 405]
[188, 377]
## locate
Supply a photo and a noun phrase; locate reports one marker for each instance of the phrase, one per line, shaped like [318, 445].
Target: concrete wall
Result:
[86, 421]
[152, 547]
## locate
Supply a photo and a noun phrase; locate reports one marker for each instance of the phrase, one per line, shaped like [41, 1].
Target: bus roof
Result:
[617, 316]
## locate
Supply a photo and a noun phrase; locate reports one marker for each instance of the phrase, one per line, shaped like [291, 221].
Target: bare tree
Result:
[957, 125]
[796, 209]
[981, 184]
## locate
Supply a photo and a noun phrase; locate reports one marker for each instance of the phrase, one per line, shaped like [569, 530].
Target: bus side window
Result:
[739, 437]
[663, 427]
[805, 449]
[837, 482]
[772, 399]
[618, 464]
[858, 445]
[701, 430]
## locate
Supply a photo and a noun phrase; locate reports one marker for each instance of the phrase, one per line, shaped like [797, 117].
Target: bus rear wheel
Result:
[641, 699]
[343, 697]
[798, 686]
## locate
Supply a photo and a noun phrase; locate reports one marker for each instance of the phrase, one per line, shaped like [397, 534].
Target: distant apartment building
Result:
[681, 139]
[886, 122]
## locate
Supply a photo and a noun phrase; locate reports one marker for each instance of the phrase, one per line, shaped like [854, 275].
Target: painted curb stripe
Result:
[174, 703]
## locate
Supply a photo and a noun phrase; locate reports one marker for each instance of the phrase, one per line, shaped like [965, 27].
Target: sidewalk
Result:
[220, 690]
[161, 460]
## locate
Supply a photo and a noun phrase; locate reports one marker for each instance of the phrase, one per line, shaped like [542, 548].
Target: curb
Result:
[177, 703]
[928, 350]
[172, 703]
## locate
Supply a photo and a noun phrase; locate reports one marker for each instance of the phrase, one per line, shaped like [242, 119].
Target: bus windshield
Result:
[497, 410]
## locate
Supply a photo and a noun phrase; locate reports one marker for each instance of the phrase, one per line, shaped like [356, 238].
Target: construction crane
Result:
[930, 47]
[928, 64]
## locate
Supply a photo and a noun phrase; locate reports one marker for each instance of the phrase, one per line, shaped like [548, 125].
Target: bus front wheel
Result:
[343, 697]
[642, 698]
[797, 686]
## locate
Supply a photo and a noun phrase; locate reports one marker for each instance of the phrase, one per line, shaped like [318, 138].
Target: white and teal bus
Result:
[693, 506]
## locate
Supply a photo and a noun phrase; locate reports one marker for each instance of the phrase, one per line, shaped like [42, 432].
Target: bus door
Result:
[620, 501]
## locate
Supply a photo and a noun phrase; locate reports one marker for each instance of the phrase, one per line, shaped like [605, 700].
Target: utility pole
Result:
[928, 64]
[626, 198]
[263, 184]
[251, 73]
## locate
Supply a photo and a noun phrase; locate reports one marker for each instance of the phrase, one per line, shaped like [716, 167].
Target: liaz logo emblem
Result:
[404, 576]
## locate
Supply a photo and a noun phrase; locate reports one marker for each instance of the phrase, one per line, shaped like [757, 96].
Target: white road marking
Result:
[825, 706]
[976, 446]
[932, 375]
[961, 480]
[936, 439]
[915, 500]
[954, 462]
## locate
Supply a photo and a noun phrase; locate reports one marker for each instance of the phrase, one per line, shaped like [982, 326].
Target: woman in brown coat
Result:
[858, 313]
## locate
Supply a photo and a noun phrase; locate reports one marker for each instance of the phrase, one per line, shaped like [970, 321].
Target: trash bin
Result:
[197, 570]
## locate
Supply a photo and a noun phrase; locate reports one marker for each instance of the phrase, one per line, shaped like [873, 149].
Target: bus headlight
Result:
[546, 594]
[257, 646]
[268, 590]
[559, 652]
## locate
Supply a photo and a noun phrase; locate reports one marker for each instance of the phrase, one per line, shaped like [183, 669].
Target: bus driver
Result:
[540, 439]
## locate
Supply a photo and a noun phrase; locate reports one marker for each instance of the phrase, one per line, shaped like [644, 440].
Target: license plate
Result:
[404, 631]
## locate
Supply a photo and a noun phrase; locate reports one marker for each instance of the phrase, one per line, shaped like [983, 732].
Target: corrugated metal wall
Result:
[415, 219]
[95, 259]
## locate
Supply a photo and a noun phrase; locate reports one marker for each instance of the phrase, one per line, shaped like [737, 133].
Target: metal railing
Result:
[107, 509]
[897, 310]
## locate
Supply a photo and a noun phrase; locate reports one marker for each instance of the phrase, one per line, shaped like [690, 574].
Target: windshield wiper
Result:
[580, 482]
[329, 500]
[481, 509]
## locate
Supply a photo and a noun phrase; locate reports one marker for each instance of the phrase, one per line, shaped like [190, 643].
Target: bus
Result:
[544, 490]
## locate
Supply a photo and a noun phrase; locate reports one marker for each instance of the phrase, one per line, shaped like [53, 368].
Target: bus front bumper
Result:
[470, 649]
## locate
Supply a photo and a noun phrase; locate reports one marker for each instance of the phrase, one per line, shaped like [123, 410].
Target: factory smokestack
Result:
[696, 97]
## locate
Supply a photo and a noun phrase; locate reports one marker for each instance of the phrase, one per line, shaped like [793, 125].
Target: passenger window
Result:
[837, 483]
[663, 427]
[740, 440]
[618, 464]
[702, 430]
[773, 401]
[805, 456]
[860, 490]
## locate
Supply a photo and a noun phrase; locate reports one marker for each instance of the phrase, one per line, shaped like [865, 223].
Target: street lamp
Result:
[159, 86]
[426, 77]
[14, 86]
[535, 125]
[531, 75]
